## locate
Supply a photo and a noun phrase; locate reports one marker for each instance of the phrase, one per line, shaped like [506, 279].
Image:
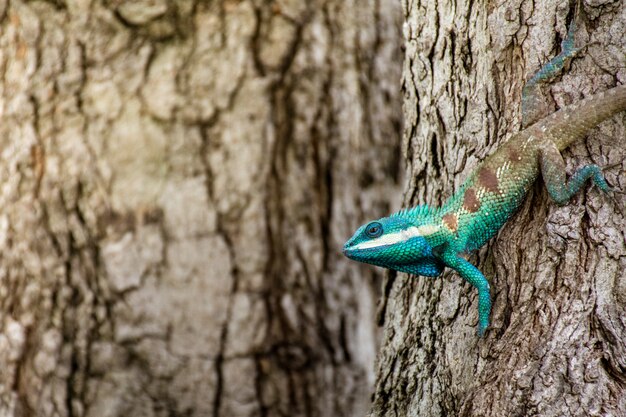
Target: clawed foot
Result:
[559, 62]
[604, 185]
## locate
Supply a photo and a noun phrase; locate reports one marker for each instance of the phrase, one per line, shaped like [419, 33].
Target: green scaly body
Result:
[424, 240]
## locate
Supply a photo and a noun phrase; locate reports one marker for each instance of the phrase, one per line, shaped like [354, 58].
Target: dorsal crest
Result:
[415, 212]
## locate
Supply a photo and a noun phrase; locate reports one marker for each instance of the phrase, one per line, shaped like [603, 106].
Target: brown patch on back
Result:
[471, 202]
[488, 180]
[514, 156]
[451, 222]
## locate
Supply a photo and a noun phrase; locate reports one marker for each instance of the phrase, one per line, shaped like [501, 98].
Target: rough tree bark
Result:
[177, 178]
[556, 344]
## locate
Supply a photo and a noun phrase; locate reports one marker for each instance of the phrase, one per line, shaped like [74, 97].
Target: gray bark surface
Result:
[177, 179]
[556, 346]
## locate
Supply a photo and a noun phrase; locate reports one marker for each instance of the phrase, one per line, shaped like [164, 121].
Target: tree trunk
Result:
[177, 181]
[556, 342]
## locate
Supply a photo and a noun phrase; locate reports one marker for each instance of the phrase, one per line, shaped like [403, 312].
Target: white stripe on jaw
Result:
[398, 237]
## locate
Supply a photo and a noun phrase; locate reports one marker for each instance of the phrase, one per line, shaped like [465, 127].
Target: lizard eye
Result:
[374, 230]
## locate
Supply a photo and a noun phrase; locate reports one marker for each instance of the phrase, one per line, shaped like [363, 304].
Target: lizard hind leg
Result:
[553, 171]
[533, 101]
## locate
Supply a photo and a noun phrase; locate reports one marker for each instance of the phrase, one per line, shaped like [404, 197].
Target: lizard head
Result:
[392, 241]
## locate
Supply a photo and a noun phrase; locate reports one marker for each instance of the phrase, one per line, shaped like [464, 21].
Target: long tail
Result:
[572, 122]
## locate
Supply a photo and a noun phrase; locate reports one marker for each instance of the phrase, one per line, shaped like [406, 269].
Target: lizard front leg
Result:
[472, 275]
[553, 172]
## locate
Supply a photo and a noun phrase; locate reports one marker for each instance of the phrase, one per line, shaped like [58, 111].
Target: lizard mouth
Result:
[352, 252]
[348, 250]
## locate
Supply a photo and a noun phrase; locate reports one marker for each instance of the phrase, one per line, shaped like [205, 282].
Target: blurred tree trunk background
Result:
[556, 343]
[177, 180]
